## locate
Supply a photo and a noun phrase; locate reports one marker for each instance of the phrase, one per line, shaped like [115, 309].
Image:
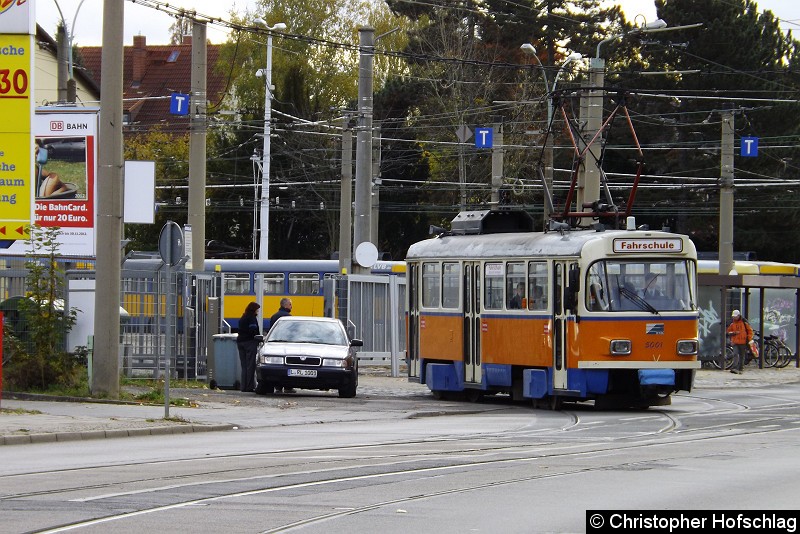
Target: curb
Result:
[21, 439]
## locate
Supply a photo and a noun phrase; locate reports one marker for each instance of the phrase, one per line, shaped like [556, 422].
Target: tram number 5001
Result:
[13, 82]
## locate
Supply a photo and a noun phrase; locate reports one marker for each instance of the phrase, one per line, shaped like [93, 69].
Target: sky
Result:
[154, 25]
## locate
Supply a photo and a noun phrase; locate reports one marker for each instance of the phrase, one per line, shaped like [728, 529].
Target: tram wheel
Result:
[473, 395]
[554, 402]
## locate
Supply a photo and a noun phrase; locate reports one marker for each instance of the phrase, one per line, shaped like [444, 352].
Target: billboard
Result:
[16, 110]
[64, 160]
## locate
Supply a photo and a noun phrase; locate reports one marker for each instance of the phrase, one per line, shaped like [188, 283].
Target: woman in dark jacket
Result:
[248, 346]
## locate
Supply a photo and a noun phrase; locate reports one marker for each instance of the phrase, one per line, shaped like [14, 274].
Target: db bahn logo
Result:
[5, 5]
[56, 126]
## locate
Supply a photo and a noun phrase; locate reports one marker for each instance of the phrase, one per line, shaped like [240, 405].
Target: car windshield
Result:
[322, 332]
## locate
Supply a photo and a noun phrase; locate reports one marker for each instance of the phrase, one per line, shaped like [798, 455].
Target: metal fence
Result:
[152, 335]
[376, 309]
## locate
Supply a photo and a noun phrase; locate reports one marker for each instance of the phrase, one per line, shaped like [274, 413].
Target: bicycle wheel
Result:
[770, 354]
[730, 357]
[784, 357]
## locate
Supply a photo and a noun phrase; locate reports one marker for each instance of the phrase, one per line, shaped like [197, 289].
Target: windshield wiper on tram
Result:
[639, 301]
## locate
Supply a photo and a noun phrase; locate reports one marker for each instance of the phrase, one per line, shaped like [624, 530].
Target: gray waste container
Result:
[225, 370]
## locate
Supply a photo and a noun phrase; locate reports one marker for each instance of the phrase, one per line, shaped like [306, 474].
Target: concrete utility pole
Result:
[67, 88]
[263, 244]
[588, 189]
[361, 226]
[346, 202]
[376, 183]
[497, 164]
[726, 196]
[197, 147]
[105, 376]
[63, 62]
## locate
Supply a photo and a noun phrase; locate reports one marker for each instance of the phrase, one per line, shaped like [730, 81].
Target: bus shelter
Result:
[766, 293]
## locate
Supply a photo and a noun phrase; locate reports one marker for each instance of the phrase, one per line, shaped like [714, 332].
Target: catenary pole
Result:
[197, 147]
[361, 226]
[108, 224]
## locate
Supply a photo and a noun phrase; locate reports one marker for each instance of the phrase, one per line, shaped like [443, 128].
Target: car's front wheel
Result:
[347, 392]
[262, 388]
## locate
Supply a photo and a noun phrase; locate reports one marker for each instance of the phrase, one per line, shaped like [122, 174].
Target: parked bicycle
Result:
[730, 356]
[776, 352]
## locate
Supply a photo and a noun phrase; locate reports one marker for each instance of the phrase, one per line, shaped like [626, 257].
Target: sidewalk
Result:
[39, 419]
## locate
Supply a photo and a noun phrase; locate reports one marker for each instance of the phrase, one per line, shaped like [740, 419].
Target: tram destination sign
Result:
[653, 245]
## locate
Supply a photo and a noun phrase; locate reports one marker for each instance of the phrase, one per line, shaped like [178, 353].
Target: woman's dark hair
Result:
[252, 307]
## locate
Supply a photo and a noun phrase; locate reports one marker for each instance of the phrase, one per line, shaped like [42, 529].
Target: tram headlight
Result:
[620, 347]
[687, 347]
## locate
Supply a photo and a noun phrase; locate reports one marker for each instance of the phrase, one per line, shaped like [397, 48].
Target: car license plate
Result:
[310, 373]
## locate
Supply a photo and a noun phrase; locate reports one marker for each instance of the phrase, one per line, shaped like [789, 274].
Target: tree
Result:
[171, 155]
[179, 29]
[38, 357]
[315, 81]
[749, 79]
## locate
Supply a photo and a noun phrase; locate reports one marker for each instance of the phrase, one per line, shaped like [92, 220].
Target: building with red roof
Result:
[151, 73]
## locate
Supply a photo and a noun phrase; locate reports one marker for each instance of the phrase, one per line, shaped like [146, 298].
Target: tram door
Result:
[560, 317]
[472, 322]
[413, 321]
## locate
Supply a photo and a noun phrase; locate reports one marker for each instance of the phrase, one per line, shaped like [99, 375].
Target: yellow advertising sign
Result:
[16, 145]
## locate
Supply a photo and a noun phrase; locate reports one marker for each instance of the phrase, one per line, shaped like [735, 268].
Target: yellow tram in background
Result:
[567, 315]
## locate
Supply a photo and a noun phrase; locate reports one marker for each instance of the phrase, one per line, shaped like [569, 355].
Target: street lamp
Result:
[263, 244]
[70, 90]
[528, 48]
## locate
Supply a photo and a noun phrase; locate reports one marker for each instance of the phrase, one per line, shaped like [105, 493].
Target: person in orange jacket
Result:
[741, 334]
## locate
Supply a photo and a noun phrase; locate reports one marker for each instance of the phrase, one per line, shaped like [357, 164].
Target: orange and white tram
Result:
[572, 315]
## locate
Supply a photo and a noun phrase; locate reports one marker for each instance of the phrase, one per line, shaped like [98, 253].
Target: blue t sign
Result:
[749, 148]
[483, 137]
[179, 104]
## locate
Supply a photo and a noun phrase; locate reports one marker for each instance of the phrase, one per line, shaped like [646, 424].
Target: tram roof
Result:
[522, 244]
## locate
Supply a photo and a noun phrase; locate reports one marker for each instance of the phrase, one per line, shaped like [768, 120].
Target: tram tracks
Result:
[389, 461]
[605, 456]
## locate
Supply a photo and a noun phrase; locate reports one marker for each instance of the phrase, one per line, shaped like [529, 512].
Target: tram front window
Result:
[639, 286]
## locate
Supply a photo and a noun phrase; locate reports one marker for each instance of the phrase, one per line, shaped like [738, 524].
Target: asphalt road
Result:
[407, 463]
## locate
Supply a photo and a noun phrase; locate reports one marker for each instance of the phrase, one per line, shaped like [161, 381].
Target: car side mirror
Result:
[356, 343]
[259, 338]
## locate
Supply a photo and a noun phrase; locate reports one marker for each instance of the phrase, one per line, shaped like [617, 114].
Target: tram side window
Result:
[537, 285]
[237, 283]
[451, 277]
[493, 286]
[431, 285]
[303, 283]
[273, 284]
[515, 286]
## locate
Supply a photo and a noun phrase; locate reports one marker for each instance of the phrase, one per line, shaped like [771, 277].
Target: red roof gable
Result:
[153, 71]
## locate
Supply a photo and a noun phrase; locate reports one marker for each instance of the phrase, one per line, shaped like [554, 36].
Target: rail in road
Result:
[396, 475]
